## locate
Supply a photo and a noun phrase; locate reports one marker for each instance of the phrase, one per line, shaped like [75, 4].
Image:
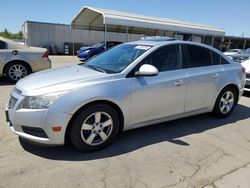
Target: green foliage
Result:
[9, 35]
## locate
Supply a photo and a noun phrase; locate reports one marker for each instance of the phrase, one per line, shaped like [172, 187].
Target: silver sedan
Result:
[18, 60]
[132, 85]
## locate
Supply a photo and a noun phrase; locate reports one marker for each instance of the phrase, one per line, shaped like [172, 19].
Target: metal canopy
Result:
[98, 19]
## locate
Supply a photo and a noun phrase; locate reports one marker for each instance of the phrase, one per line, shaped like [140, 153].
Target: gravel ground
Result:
[199, 151]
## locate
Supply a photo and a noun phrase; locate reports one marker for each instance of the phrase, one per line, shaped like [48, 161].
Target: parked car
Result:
[18, 60]
[131, 85]
[233, 51]
[240, 56]
[246, 65]
[86, 53]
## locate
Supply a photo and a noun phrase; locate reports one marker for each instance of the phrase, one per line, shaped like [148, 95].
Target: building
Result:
[46, 35]
[97, 19]
[93, 25]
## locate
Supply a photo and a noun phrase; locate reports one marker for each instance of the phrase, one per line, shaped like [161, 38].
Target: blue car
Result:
[86, 53]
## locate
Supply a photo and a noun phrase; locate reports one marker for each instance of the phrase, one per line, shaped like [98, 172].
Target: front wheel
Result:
[225, 102]
[94, 127]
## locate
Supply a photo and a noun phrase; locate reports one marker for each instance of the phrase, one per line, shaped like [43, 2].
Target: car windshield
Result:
[117, 59]
[98, 45]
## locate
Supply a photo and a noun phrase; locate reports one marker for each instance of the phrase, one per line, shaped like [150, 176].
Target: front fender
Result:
[117, 92]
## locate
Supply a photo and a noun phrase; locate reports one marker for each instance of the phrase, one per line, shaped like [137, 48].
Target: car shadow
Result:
[142, 137]
[5, 82]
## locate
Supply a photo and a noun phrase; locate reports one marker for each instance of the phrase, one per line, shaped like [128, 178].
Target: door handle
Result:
[215, 75]
[179, 83]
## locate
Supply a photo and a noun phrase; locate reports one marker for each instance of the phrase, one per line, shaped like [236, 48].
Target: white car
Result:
[233, 52]
[18, 60]
[246, 65]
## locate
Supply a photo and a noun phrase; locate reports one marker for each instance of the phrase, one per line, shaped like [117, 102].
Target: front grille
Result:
[35, 131]
[12, 102]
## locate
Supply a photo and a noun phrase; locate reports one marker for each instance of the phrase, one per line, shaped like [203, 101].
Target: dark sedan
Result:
[86, 53]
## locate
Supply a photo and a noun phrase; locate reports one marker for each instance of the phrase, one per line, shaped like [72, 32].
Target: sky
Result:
[230, 15]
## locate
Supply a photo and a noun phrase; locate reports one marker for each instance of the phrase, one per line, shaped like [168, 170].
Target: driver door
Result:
[161, 96]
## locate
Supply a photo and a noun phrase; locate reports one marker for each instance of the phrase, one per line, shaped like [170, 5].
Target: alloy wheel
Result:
[226, 102]
[96, 128]
[17, 71]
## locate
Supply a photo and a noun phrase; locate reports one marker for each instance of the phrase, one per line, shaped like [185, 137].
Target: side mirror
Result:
[147, 70]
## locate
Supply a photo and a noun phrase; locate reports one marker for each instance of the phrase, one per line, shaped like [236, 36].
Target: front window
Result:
[118, 58]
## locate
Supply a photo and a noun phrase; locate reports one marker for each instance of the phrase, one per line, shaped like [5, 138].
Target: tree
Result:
[9, 35]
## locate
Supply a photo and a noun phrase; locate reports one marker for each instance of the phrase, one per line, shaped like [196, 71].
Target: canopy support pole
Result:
[89, 37]
[105, 36]
[244, 45]
[127, 34]
[73, 41]
[212, 43]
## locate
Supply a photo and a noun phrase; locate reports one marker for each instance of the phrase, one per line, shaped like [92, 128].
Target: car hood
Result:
[58, 80]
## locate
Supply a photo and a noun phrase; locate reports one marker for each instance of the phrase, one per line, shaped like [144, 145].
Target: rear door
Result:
[204, 73]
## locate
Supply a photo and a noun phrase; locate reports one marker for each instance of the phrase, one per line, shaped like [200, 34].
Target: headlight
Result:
[39, 102]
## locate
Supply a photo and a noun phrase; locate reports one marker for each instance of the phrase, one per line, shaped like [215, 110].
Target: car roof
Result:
[166, 42]
[13, 44]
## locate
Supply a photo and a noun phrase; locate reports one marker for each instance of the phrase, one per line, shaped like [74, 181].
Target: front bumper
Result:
[36, 124]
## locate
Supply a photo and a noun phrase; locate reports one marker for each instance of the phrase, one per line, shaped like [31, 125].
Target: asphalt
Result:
[199, 151]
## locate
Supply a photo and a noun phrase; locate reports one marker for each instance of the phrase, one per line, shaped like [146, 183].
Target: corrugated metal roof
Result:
[95, 19]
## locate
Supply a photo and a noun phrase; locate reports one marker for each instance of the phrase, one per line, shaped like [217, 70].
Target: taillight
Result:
[45, 55]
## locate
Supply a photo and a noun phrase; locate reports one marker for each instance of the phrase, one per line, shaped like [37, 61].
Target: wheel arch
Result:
[233, 86]
[107, 102]
[16, 61]
[229, 85]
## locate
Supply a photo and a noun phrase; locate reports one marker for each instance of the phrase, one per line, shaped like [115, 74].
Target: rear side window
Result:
[2, 45]
[165, 59]
[223, 61]
[217, 59]
[195, 56]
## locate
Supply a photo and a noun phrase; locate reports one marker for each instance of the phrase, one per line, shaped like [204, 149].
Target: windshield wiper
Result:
[95, 68]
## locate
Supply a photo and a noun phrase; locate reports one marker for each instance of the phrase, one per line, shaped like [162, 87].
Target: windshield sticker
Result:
[142, 47]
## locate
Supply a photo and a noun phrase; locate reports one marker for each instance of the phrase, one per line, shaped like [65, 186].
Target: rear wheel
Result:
[94, 127]
[16, 70]
[225, 102]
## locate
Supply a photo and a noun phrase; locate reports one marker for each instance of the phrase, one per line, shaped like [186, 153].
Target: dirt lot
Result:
[199, 151]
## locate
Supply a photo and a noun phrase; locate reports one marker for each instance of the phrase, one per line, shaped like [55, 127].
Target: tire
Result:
[94, 127]
[16, 70]
[225, 102]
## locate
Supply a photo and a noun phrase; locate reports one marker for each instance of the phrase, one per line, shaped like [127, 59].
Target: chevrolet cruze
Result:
[132, 85]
